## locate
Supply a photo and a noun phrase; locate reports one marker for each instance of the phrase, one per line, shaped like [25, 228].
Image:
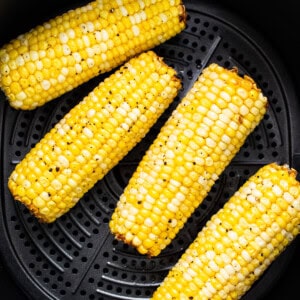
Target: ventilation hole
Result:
[114, 258]
[62, 240]
[185, 41]
[226, 64]
[233, 50]
[278, 109]
[272, 135]
[261, 156]
[194, 29]
[189, 74]
[219, 58]
[274, 153]
[195, 45]
[46, 244]
[79, 215]
[18, 153]
[253, 70]
[203, 206]
[246, 172]
[197, 20]
[189, 57]
[240, 57]
[171, 52]
[246, 154]
[128, 291]
[202, 32]
[181, 242]
[180, 54]
[91, 280]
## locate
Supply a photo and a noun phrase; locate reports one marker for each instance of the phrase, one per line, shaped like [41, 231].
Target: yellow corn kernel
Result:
[70, 49]
[194, 169]
[219, 276]
[89, 140]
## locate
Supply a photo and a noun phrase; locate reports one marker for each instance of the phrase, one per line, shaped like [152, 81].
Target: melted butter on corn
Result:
[68, 50]
[239, 242]
[94, 136]
[198, 141]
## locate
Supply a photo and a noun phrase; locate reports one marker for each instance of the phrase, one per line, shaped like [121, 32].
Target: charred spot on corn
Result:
[79, 150]
[70, 49]
[193, 147]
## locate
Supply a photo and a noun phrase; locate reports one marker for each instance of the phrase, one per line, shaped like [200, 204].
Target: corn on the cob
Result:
[240, 241]
[70, 49]
[197, 142]
[94, 136]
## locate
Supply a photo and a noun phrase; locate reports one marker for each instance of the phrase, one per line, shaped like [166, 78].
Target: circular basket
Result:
[76, 257]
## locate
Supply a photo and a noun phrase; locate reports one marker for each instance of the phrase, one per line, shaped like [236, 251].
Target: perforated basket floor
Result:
[76, 257]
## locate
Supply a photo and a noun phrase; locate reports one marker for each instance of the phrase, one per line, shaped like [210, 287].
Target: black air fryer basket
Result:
[76, 257]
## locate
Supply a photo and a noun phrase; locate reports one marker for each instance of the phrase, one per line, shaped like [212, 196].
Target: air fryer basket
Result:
[76, 257]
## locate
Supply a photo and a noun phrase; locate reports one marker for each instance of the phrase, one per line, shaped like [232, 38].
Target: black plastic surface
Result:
[76, 257]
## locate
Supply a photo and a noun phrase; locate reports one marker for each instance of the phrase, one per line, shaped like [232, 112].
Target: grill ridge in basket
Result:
[76, 257]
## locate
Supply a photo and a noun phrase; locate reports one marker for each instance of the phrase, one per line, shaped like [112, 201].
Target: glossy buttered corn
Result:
[198, 141]
[240, 241]
[68, 50]
[94, 136]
